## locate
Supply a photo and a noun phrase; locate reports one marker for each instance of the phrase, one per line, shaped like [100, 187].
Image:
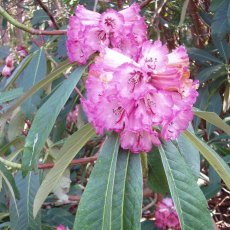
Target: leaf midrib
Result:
[107, 188]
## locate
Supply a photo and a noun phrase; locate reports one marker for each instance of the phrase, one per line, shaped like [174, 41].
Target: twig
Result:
[45, 8]
[81, 161]
[74, 198]
[144, 3]
[152, 203]
[28, 29]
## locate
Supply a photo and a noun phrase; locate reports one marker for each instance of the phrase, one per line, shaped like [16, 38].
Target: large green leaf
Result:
[202, 56]
[211, 156]
[214, 119]
[9, 180]
[212, 72]
[49, 78]
[190, 153]
[71, 147]
[220, 28]
[27, 188]
[33, 73]
[127, 192]
[45, 119]
[10, 95]
[157, 180]
[190, 202]
[95, 208]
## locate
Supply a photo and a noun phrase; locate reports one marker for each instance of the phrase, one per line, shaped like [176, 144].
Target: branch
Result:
[81, 161]
[144, 3]
[45, 8]
[27, 29]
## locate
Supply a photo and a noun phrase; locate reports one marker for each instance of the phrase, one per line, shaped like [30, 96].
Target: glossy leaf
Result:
[190, 153]
[220, 28]
[157, 180]
[202, 56]
[127, 192]
[98, 214]
[214, 119]
[27, 188]
[9, 180]
[190, 202]
[212, 72]
[33, 73]
[72, 146]
[49, 78]
[10, 95]
[45, 119]
[211, 156]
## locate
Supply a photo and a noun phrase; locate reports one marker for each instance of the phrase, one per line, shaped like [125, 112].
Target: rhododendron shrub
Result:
[143, 91]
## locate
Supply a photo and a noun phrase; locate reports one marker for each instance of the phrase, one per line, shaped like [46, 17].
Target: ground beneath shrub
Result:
[220, 208]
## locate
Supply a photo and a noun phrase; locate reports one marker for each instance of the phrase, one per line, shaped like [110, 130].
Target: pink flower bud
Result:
[61, 227]
[22, 51]
[9, 61]
[6, 71]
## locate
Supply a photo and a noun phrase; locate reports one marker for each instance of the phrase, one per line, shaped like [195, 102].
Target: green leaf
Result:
[220, 28]
[202, 56]
[190, 153]
[214, 119]
[57, 216]
[19, 69]
[27, 187]
[33, 73]
[39, 16]
[148, 225]
[71, 147]
[212, 72]
[41, 127]
[190, 202]
[211, 156]
[98, 214]
[214, 184]
[214, 105]
[10, 95]
[9, 180]
[49, 78]
[157, 180]
[127, 192]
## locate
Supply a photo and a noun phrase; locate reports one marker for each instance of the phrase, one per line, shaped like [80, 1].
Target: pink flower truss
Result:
[166, 216]
[89, 32]
[144, 99]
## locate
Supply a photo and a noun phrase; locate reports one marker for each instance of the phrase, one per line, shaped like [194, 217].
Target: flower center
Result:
[135, 78]
[110, 22]
[118, 111]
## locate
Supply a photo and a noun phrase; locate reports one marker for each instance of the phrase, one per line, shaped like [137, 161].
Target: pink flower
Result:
[61, 227]
[72, 116]
[89, 32]
[22, 51]
[142, 100]
[166, 216]
[9, 66]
